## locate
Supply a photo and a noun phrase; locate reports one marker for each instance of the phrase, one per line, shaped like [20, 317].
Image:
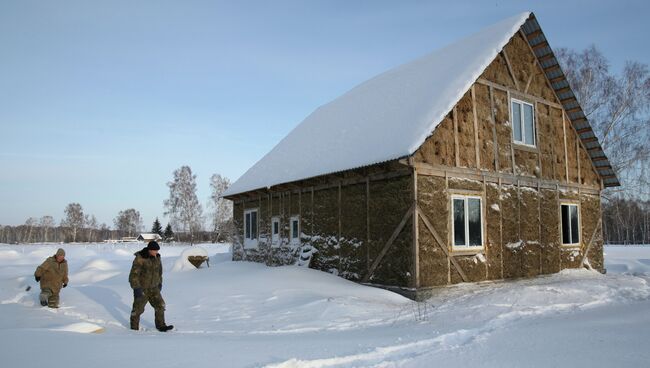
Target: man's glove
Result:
[137, 293]
[64, 285]
[37, 278]
[160, 286]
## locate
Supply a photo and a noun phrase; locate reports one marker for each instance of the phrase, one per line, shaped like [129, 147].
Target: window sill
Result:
[525, 147]
[467, 252]
[569, 246]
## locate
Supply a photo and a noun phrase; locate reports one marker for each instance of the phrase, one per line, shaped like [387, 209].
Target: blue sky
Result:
[101, 100]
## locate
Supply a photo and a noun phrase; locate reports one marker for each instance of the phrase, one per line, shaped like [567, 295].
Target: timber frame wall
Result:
[362, 221]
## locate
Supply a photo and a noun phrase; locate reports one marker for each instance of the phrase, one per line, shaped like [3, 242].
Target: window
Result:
[250, 227]
[467, 221]
[295, 230]
[523, 123]
[275, 230]
[570, 224]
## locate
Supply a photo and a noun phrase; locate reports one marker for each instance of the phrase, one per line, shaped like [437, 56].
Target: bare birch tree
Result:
[183, 205]
[74, 219]
[617, 107]
[91, 227]
[221, 208]
[128, 221]
[47, 222]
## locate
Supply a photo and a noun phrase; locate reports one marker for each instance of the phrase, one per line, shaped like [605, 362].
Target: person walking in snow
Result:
[53, 276]
[146, 281]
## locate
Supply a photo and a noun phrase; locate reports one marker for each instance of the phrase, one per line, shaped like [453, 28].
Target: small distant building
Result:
[149, 237]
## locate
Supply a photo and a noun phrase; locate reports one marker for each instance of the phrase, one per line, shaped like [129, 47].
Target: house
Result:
[146, 237]
[472, 163]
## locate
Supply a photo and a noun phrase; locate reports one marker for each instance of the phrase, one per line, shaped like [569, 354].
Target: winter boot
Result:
[43, 298]
[165, 328]
[135, 323]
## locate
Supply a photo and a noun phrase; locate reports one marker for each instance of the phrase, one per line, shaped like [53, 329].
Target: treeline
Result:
[38, 231]
[626, 221]
[188, 223]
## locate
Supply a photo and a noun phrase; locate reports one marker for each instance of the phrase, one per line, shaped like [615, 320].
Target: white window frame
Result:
[252, 241]
[577, 205]
[275, 238]
[292, 239]
[522, 122]
[466, 225]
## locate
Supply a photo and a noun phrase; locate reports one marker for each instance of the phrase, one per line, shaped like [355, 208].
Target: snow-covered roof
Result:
[384, 118]
[149, 237]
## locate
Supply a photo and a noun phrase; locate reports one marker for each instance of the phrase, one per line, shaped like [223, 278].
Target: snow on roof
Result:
[384, 118]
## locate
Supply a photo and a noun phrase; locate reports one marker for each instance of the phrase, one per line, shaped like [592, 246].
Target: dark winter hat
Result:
[153, 246]
[60, 252]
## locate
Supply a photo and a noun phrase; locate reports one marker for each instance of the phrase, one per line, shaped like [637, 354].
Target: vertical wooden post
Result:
[456, 150]
[578, 160]
[415, 220]
[536, 127]
[476, 143]
[300, 219]
[501, 226]
[539, 222]
[448, 220]
[512, 140]
[485, 230]
[338, 240]
[494, 133]
[566, 155]
[559, 217]
[367, 224]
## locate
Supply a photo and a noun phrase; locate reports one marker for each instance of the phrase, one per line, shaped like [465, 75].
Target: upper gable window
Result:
[523, 122]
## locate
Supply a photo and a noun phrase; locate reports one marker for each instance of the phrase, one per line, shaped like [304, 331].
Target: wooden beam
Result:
[590, 139]
[510, 70]
[557, 79]
[593, 236]
[367, 224]
[540, 45]
[494, 131]
[545, 57]
[566, 152]
[478, 157]
[388, 244]
[416, 242]
[530, 78]
[442, 245]
[584, 130]
[534, 34]
[572, 98]
[456, 150]
[599, 158]
[562, 90]
[551, 68]
[520, 93]
[575, 109]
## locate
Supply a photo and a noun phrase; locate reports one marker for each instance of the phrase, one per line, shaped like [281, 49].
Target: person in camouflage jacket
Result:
[146, 281]
[53, 276]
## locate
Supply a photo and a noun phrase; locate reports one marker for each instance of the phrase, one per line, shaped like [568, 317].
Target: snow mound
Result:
[182, 264]
[81, 327]
[123, 253]
[7, 255]
[95, 271]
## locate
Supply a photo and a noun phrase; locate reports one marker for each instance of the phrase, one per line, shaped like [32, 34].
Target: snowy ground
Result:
[238, 314]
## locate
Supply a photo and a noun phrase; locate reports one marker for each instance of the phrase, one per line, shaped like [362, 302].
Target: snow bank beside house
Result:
[245, 314]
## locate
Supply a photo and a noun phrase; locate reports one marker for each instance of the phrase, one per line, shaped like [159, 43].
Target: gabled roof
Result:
[385, 118]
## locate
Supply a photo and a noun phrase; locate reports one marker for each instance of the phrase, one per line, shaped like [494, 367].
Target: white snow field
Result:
[240, 314]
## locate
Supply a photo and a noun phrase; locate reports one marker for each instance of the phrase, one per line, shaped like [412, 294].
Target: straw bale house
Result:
[472, 163]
